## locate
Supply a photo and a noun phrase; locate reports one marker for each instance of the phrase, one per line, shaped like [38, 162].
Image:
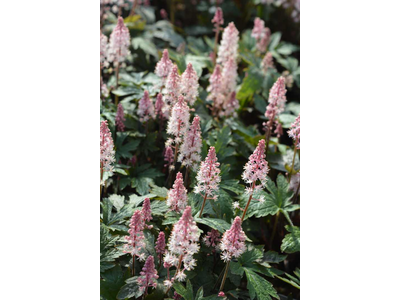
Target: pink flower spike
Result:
[190, 84]
[232, 244]
[277, 99]
[231, 105]
[107, 153]
[135, 239]
[119, 42]
[146, 210]
[218, 19]
[120, 119]
[164, 66]
[160, 244]
[146, 108]
[257, 167]
[191, 147]
[173, 86]
[294, 132]
[208, 178]
[179, 120]
[261, 33]
[162, 110]
[183, 244]
[229, 44]
[216, 89]
[168, 156]
[148, 276]
[212, 238]
[164, 14]
[267, 62]
[177, 196]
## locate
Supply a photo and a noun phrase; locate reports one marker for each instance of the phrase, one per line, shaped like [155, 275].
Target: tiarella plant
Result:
[199, 150]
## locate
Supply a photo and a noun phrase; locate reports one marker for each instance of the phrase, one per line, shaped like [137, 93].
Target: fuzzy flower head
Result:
[294, 132]
[103, 47]
[191, 147]
[208, 178]
[164, 66]
[162, 109]
[190, 84]
[177, 196]
[183, 243]
[229, 44]
[277, 99]
[146, 108]
[229, 75]
[120, 119]
[179, 120]
[119, 42]
[148, 276]
[261, 33]
[216, 89]
[232, 244]
[135, 239]
[218, 19]
[160, 243]
[257, 167]
[103, 89]
[267, 62]
[168, 156]
[212, 238]
[146, 210]
[107, 153]
[173, 86]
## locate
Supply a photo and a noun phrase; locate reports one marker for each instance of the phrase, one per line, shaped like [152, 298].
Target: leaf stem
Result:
[204, 203]
[274, 229]
[225, 274]
[294, 158]
[248, 202]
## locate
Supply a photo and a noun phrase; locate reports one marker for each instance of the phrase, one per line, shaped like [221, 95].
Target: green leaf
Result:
[111, 282]
[216, 224]
[107, 208]
[158, 208]
[136, 200]
[259, 287]
[146, 45]
[251, 84]
[291, 241]
[130, 289]
[274, 40]
[186, 293]
[117, 201]
[279, 199]
[273, 257]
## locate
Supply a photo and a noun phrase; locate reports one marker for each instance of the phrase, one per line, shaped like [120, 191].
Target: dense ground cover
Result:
[200, 150]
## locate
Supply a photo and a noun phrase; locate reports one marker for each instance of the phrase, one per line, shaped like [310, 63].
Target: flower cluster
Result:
[164, 66]
[267, 62]
[218, 19]
[212, 238]
[191, 147]
[146, 108]
[173, 86]
[229, 44]
[276, 103]
[168, 156]
[177, 196]
[162, 110]
[179, 120]
[183, 244]
[232, 244]
[135, 239]
[294, 132]
[148, 276]
[190, 84]
[261, 33]
[107, 152]
[222, 85]
[208, 177]
[160, 244]
[119, 42]
[120, 119]
[257, 167]
[146, 210]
